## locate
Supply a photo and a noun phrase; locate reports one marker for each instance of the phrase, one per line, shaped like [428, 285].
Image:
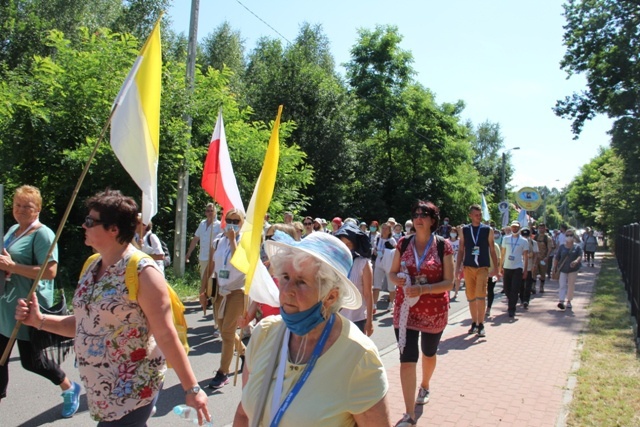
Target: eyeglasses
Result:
[307, 223]
[233, 221]
[91, 222]
[419, 215]
[569, 235]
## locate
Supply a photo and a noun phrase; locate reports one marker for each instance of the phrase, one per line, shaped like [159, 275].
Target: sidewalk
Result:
[518, 375]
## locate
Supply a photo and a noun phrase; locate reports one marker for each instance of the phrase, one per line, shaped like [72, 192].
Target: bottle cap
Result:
[178, 410]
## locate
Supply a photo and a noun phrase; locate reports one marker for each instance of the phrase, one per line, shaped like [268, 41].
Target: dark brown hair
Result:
[430, 209]
[116, 209]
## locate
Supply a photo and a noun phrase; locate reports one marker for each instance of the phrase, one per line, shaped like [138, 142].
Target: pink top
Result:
[120, 364]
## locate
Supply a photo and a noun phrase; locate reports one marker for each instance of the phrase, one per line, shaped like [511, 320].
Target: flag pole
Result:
[14, 334]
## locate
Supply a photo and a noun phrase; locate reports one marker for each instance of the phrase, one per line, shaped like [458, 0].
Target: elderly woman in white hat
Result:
[312, 366]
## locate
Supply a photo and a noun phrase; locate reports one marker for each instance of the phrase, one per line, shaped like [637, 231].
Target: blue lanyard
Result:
[424, 255]
[306, 373]
[228, 252]
[514, 245]
[477, 236]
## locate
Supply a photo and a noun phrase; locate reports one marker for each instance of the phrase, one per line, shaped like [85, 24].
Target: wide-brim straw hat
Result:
[331, 251]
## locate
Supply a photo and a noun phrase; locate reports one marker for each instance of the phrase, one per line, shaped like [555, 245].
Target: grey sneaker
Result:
[569, 306]
[406, 421]
[423, 396]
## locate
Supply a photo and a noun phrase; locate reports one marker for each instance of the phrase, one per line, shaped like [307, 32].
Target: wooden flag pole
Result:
[14, 334]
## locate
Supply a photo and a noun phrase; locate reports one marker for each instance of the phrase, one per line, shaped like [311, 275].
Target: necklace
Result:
[303, 346]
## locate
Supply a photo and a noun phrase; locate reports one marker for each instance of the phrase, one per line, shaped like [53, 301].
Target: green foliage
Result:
[301, 77]
[65, 100]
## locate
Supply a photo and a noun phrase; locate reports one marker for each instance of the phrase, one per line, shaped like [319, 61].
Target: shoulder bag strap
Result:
[266, 381]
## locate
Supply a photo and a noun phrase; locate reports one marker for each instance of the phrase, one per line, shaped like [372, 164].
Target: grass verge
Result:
[607, 390]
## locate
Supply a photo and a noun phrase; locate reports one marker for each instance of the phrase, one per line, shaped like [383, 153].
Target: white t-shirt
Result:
[207, 234]
[151, 246]
[229, 277]
[515, 247]
[383, 251]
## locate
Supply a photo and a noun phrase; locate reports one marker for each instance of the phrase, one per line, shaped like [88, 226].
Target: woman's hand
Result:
[199, 403]
[5, 261]
[368, 328]
[412, 291]
[28, 312]
[574, 263]
[243, 321]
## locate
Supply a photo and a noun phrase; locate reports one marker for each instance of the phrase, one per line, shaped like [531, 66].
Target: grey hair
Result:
[326, 278]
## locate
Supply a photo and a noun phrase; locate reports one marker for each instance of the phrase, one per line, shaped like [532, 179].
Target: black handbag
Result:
[56, 347]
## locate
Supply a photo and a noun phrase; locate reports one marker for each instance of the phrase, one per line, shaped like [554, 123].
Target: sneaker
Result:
[487, 314]
[71, 400]
[219, 381]
[569, 306]
[512, 313]
[561, 305]
[525, 304]
[481, 332]
[423, 396]
[216, 334]
[406, 421]
[474, 329]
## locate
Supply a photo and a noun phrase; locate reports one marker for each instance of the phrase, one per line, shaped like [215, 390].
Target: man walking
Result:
[515, 254]
[206, 232]
[476, 254]
[545, 252]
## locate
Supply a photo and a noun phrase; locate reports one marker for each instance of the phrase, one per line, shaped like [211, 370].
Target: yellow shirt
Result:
[348, 379]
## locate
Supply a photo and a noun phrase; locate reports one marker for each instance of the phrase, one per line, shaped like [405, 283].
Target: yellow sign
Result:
[529, 199]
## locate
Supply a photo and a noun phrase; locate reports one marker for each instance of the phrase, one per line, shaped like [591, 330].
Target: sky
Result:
[501, 57]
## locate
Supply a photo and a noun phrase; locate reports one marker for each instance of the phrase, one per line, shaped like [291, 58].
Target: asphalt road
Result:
[34, 401]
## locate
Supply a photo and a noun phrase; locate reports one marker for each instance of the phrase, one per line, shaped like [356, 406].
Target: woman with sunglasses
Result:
[230, 301]
[122, 342]
[26, 245]
[307, 222]
[422, 270]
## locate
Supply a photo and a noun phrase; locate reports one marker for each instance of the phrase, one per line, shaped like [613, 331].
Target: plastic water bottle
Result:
[407, 282]
[189, 414]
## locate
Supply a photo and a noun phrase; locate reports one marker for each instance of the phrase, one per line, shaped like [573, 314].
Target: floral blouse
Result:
[120, 364]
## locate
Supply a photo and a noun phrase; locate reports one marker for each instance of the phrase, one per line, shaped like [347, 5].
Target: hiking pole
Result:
[14, 334]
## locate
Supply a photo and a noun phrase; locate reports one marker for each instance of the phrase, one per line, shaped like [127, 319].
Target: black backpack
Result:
[439, 242]
[165, 249]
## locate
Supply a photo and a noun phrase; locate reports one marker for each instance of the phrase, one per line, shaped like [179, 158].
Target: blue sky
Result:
[501, 57]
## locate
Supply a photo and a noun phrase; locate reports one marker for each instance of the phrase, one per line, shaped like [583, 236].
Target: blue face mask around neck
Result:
[303, 322]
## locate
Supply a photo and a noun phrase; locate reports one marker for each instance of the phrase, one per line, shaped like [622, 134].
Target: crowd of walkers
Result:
[310, 359]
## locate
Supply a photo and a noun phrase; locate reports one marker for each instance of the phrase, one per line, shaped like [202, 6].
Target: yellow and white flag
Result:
[135, 124]
[247, 253]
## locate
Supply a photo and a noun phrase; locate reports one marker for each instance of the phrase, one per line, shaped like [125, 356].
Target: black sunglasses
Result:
[419, 215]
[91, 222]
[233, 221]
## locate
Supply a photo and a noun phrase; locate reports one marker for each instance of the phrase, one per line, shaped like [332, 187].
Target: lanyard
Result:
[514, 245]
[11, 240]
[305, 374]
[228, 252]
[424, 255]
[477, 236]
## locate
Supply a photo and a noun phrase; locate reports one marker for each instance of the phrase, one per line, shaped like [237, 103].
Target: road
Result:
[34, 401]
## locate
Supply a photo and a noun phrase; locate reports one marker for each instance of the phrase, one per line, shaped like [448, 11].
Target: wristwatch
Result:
[193, 390]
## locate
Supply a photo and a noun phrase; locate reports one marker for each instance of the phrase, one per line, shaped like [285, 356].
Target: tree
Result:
[224, 47]
[60, 104]
[302, 78]
[487, 143]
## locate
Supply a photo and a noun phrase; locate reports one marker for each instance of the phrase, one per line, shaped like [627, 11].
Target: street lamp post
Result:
[504, 161]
